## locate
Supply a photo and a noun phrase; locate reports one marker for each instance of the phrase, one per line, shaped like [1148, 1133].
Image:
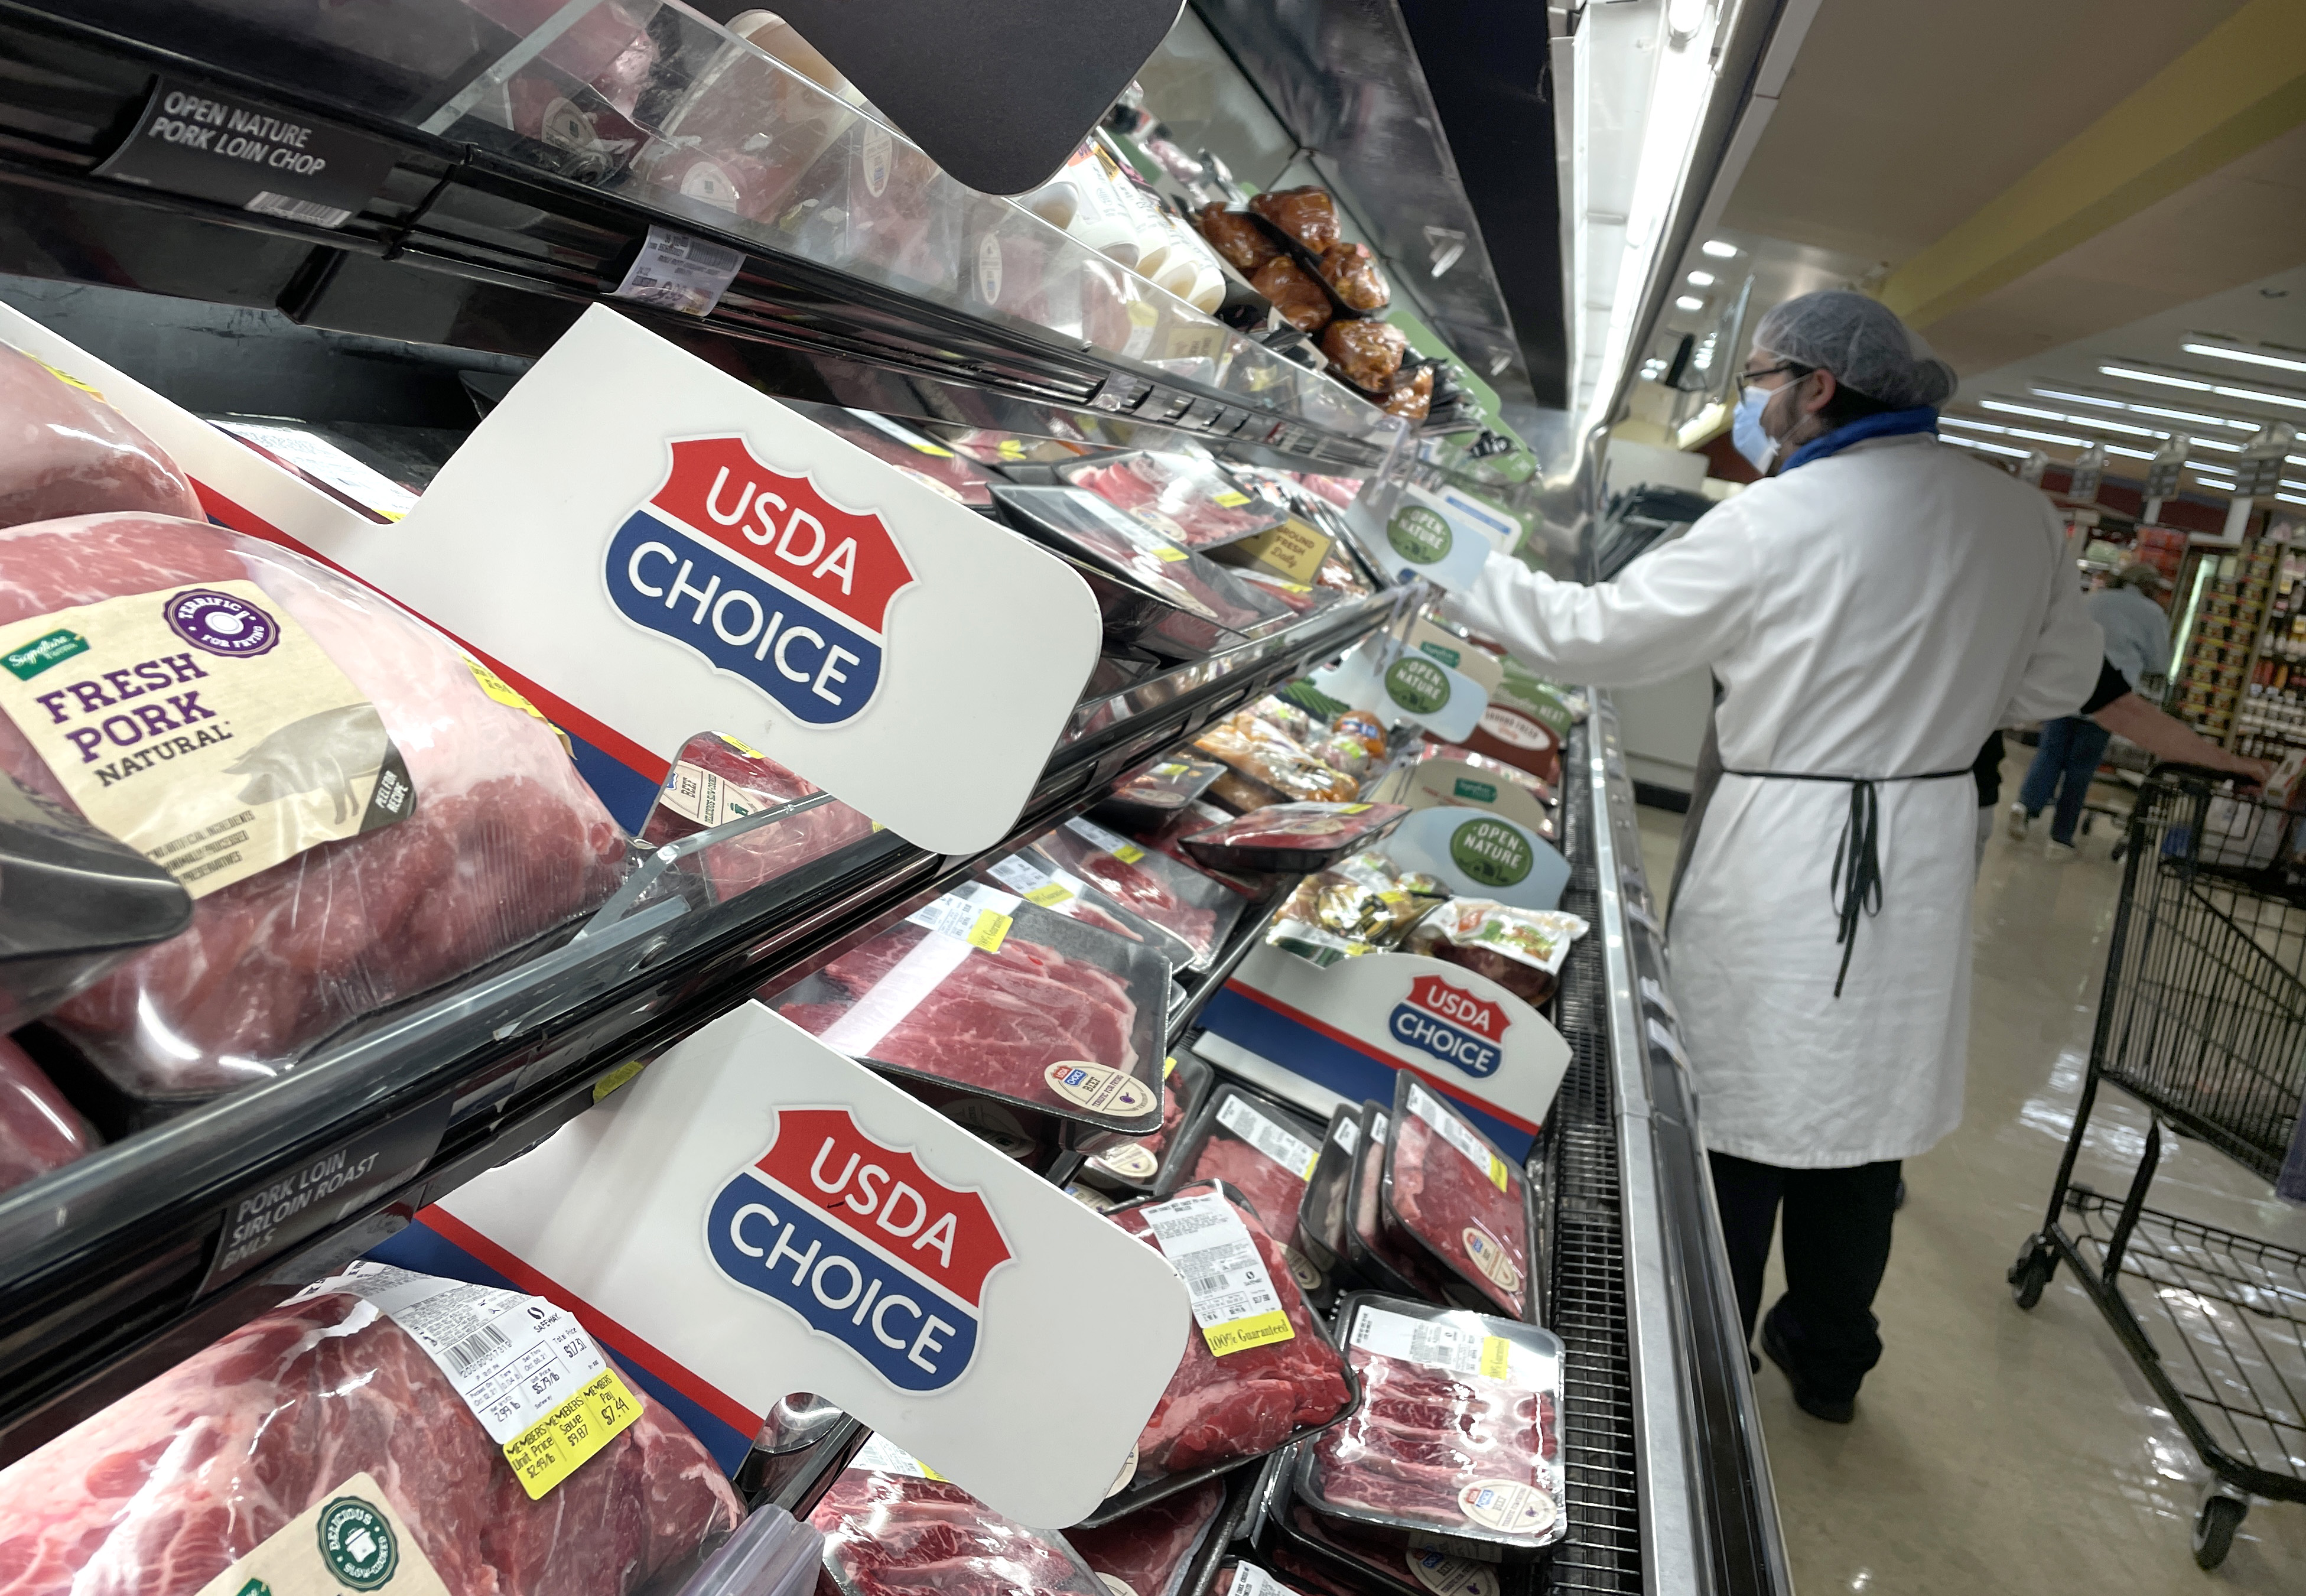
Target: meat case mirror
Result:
[756, 1215]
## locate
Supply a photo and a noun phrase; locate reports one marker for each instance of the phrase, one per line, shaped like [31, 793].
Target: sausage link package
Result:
[978, 994]
[1152, 1552]
[1033, 877]
[39, 1130]
[1458, 1441]
[1450, 1192]
[1137, 1165]
[1294, 838]
[64, 451]
[1522, 949]
[717, 779]
[1259, 1371]
[1174, 896]
[358, 816]
[894, 1528]
[1375, 1254]
[1266, 1152]
[361, 1424]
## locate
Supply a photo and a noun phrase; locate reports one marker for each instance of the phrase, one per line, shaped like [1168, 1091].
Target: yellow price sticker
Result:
[569, 1437]
[1351, 809]
[1496, 1358]
[1498, 1172]
[1048, 895]
[1239, 1335]
[991, 926]
[67, 378]
[1307, 1173]
[746, 749]
[503, 692]
[1128, 853]
[1167, 555]
[1168, 1066]
[1231, 499]
[617, 1077]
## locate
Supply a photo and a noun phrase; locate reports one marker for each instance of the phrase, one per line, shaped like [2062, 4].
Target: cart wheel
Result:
[2214, 1529]
[2031, 1273]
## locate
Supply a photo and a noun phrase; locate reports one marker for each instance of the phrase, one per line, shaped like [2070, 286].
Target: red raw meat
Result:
[896, 1535]
[1369, 1223]
[65, 452]
[1438, 1194]
[505, 843]
[1145, 1550]
[997, 1021]
[163, 1491]
[1274, 1191]
[766, 851]
[1246, 1403]
[39, 1130]
[1195, 817]
[1391, 1458]
[1135, 887]
[1181, 497]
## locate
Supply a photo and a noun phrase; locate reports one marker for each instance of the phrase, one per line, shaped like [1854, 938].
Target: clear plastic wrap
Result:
[504, 841]
[1080, 523]
[768, 1555]
[1182, 499]
[1457, 1438]
[64, 451]
[160, 1492]
[1265, 765]
[1293, 837]
[1378, 1259]
[1359, 905]
[1149, 1551]
[1136, 1164]
[1448, 1189]
[1323, 1212]
[39, 1130]
[1038, 879]
[1522, 949]
[1154, 792]
[890, 1531]
[1167, 840]
[1264, 1150]
[716, 780]
[917, 456]
[1187, 902]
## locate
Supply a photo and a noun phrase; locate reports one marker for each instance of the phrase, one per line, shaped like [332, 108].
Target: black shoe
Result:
[1899, 1201]
[1832, 1411]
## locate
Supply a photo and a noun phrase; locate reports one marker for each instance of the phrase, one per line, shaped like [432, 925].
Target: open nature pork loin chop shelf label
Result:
[203, 727]
[1233, 1300]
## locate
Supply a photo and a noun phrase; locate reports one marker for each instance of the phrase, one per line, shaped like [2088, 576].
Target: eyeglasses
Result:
[1748, 378]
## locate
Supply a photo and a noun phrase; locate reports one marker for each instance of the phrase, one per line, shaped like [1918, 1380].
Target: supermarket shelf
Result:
[472, 241]
[108, 1266]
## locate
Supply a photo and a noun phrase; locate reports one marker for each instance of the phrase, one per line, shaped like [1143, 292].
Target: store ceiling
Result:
[2043, 190]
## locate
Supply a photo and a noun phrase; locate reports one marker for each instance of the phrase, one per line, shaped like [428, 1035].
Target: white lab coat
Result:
[1875, 613]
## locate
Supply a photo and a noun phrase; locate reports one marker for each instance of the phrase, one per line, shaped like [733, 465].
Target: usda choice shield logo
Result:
[863, 1244]
[763, 575]
[1451, 1024]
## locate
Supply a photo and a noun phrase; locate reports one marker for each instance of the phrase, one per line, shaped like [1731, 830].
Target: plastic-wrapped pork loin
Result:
[66, 452]
[39, 1130]
[503, 842]
[160, 1492]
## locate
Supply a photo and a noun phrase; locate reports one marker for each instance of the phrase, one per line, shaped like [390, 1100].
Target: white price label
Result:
[1235, 1302]
[1250, 1579]
[699, 795]
[1347, 1135]
[1047, 888]
[881, 1455]
[1277, 1142]
[1462, 1348]
[318, 458]
[973, 912]
[1658, 998]
[676, 272]
[1098, 837]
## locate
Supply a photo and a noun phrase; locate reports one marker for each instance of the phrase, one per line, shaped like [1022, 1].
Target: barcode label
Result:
[1235, 1302]
[1347, 1135]
[1275, 1141]
[470, 1351]
[707, 797]
[309, 211]
[1457, 1343]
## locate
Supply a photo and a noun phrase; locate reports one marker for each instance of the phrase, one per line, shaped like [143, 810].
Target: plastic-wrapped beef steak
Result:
[1249, 1401]
[1457, 1194]
[717, 779]
[39, 1130]
[1147, 1550]
[1179, 899]
[1264, 1154]
[66, 452]
[504, 840]
[898, 1534]
[163, 1491]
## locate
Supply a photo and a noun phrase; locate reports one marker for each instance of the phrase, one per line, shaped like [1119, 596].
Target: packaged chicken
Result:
[1368, 353]
[1522, 949]
[1359, 905]
[375, 821]
[978, 994]
[353, 1433]
[1293, 837]
[1302, 300]
[68, 453]
[1259, 1371]
[1458, 1443]
[1265, 1151]
[1038, 880]
[1150, 1552]
[39, 1130]
[1153, 793]
[1350, 271]
[1307, 215]
[1198, 909]
[716, 780]
[1136, 1166]
[1189, 501]
[1449, 1191]
[891, 1529]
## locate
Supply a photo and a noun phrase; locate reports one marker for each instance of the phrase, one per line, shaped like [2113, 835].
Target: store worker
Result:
[2128, 611]
[1871, 612]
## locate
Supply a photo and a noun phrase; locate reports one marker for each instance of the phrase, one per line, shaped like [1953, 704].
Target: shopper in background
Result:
[2128, 611]
[1820, 944]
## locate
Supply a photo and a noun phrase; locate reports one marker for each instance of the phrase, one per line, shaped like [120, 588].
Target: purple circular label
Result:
[221, 624]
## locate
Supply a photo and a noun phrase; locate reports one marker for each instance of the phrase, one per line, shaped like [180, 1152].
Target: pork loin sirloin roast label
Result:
[203, 727]
[353, 1539]
[863, 1243]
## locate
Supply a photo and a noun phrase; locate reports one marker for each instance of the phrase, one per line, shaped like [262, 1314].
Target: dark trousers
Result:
[2063, 765]
[1837, 1245]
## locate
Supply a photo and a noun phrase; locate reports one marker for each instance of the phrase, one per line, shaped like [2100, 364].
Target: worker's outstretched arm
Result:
[2168, 737]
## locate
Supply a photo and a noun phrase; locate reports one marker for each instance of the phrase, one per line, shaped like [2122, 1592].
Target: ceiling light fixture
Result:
[1701, 280]
[2051, 415]
[2135, 375]
[1689, 302]
[2259, 396]
[2222, 351]
[2058, 438]
[1719, 250]
[2289, 498]
[1994, 448]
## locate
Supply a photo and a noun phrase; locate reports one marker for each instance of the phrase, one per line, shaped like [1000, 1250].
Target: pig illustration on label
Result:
[327, 751]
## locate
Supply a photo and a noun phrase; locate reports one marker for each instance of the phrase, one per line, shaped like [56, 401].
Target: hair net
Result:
[1862, 342]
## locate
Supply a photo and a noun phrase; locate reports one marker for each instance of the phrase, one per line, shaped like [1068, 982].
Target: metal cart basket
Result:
[2202, 1018]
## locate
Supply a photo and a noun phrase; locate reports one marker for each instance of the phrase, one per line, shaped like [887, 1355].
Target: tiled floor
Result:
[1993, 1449]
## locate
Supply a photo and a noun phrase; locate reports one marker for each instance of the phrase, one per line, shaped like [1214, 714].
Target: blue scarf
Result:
[1887, 424]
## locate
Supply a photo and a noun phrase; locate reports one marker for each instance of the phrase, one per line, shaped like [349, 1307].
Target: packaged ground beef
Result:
[1452, 1193]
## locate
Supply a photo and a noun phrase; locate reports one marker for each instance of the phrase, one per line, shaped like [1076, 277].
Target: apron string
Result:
[1856, 885]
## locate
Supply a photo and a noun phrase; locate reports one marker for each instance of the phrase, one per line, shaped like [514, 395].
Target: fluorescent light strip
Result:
[2289, 498]
[2051, 415]
[2192, 416]
[2251, 355]
[1995, 449]
[2059, 438]
[2135, 375]
[2259, 396]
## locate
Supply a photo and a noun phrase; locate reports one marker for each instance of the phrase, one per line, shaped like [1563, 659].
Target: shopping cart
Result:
[2202, 1018]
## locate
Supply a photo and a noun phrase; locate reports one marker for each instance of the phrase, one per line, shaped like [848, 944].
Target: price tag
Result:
[1459, 1135]
[1167, 554]
[1347, 1135]
[1097, 836]
[571, 1435]
[1462, 1349]
[1668, 1041]
[319, 458]
[705, 797]
[1277, 1142]
[209, 144]
[1233, 1300]
[676, 272]
[1047, 888]
[881, 1455]
[1655, 993]
[974, 914]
